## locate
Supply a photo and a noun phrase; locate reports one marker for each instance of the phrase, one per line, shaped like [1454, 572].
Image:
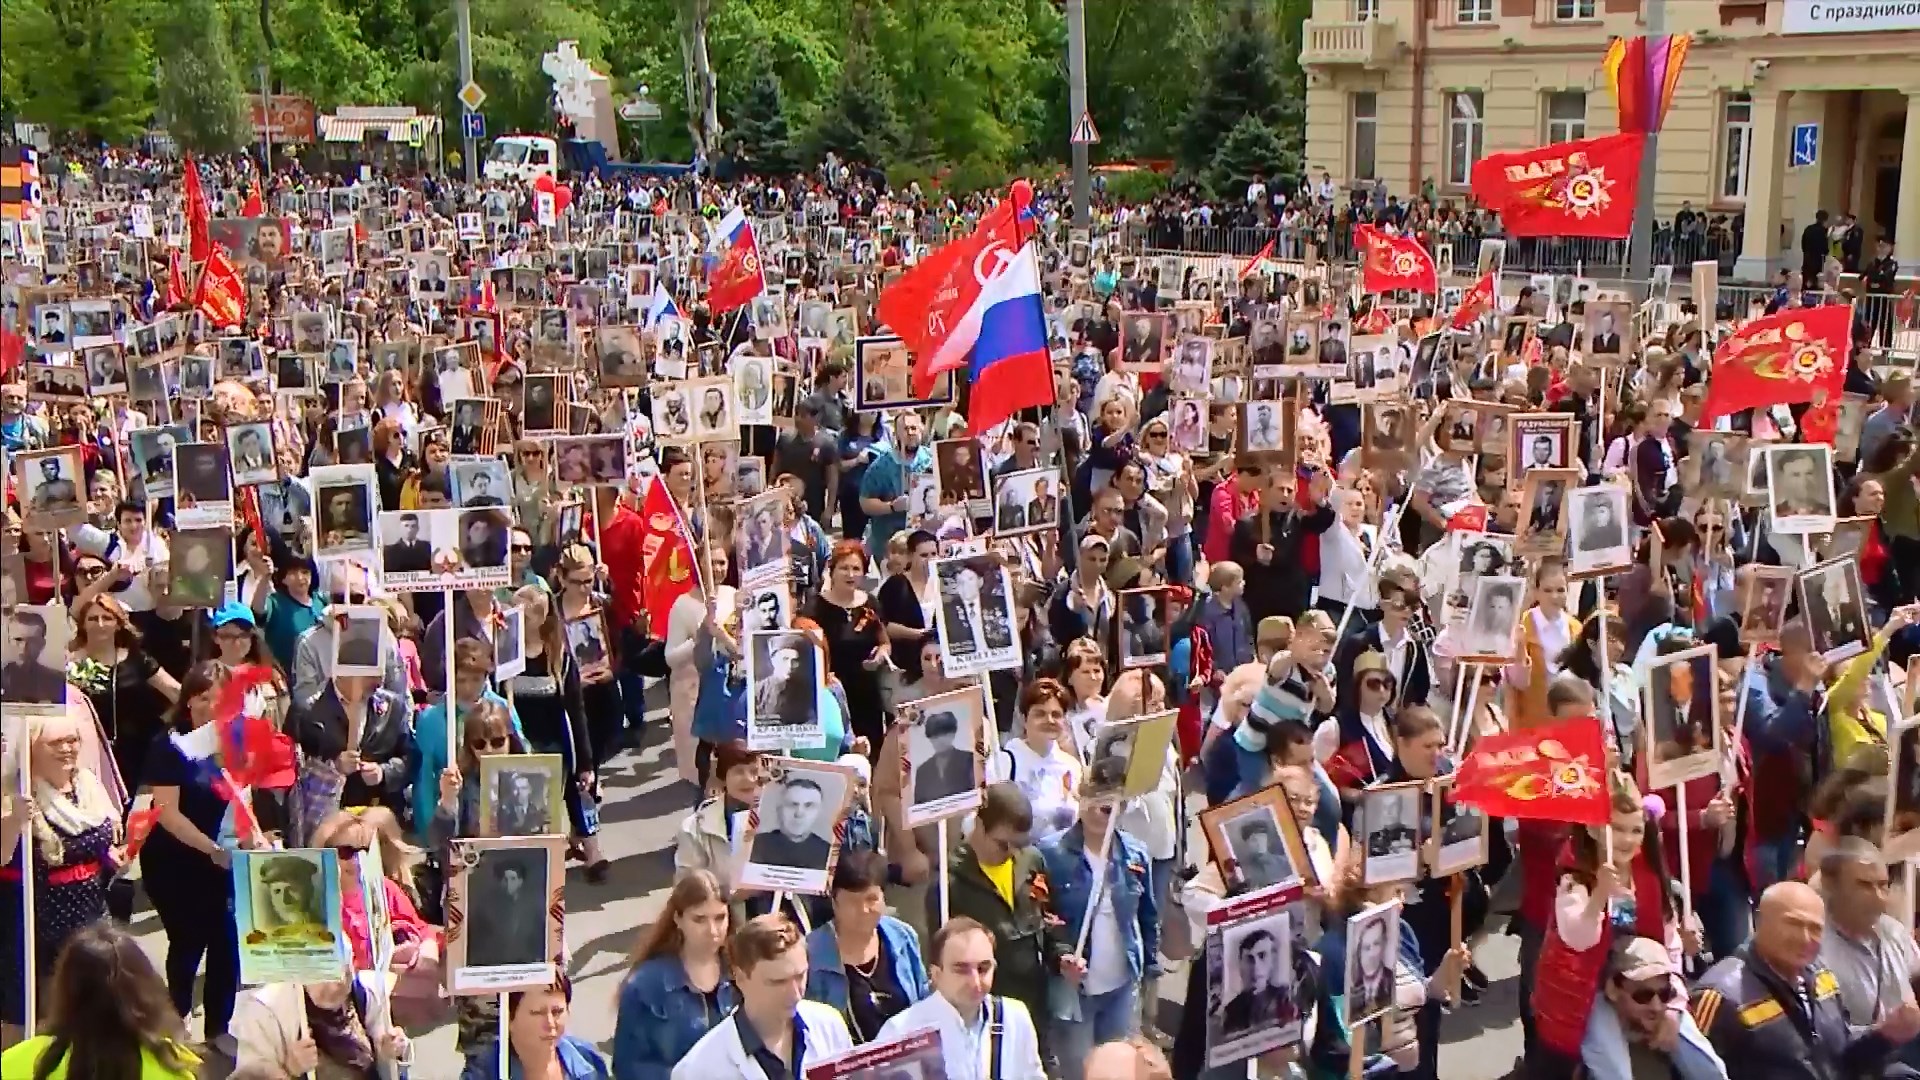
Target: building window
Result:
[1366, 134]
[1573, 10]
[1736, 145]
[1566, 115]
[1472, 12]
[1466, 134]
[1366, 10]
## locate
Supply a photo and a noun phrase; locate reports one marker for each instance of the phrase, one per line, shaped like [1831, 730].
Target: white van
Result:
[522, 157]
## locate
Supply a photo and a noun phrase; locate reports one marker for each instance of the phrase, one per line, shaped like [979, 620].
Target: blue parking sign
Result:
[473, 125]
[1806, 145]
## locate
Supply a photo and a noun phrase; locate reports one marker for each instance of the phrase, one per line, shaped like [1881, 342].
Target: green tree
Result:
[200, 93]
[80, 66]
[1251, 149]
[859, 122]
[1238, 80]
[758, 137]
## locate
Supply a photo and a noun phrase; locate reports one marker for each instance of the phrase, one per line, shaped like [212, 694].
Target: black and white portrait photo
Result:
[1599, 529]
[520, 794]
[1389, 820]
[506, 899]
[1493, 617]
[975, 616]
[713, 416]
[250, 452]
[622, 363]
[1128, 756]
[943, 766]
[1258, 849]
[509, 642]
[1606, 332]
[1764, 602]
[672, 418]
[479, 482]
[766, 607]
[792, 844]
[1026, 501]
[1143, 340]
[587, 642]
[359, 639]
[1683, 737]
[1832, 605]
[1263, 428]
[106, 369]
[199, 564]
[1543, 525]
[1540, 442]
[52, 488]
[1252, 1006]
[1716, 465]
[761, 544]
[1143, 627]
[543, 405]
[1460, 831]
[345, 508]
[59, 383]
[1373, 948]
[785, 672]
[33, 655]
[1800, 493]
[962, 475]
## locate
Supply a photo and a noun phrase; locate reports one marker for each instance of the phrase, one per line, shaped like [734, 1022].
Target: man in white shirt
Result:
[982, 1037]
[773, 1030]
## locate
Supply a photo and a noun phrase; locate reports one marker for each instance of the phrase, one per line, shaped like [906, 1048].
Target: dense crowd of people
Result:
[481, 473]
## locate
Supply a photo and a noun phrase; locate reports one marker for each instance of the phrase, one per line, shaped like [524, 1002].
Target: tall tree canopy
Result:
[971, 90]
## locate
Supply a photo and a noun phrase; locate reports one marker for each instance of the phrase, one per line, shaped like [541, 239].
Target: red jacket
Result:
[622, 542]
[1566, 982]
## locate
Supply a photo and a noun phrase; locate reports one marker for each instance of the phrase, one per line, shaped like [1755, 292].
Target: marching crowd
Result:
[1352, 604]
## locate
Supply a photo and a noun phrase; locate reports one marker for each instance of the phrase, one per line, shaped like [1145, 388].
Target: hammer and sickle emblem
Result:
[1003, 261]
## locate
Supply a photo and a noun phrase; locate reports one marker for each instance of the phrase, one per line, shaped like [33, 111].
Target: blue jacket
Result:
[661, 1017]
[578, 1061]
[827, 978]
[1130, 881]
[1604, 1050]
[430, 738]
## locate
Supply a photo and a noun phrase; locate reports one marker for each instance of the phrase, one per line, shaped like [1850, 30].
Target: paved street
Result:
[645, 805]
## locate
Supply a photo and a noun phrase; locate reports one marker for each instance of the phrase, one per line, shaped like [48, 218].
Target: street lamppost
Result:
[645, 154]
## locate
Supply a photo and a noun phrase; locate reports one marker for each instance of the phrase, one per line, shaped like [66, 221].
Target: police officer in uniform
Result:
[1773, 1011]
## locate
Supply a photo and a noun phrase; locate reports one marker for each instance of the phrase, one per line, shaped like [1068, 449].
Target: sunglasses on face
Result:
[1645, 995]
[520, 549]
[477, 745]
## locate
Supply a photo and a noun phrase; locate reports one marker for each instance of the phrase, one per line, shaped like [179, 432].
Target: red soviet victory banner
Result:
[1394, 262]
[221, 295]
[1787, 358]
[1586, 187]
[1477, 302]
[1555, 772]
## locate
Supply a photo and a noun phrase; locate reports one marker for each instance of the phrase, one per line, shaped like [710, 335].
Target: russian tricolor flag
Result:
[975, 304]
[660, 305]
[733, 264]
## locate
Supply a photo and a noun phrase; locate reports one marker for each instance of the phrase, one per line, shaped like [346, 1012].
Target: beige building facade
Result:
[1414, 91]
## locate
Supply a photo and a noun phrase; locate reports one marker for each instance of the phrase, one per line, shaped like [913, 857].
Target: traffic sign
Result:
[1806, 145]
[639, 109]
[1084, 133]
[473, 125]
[472, 96]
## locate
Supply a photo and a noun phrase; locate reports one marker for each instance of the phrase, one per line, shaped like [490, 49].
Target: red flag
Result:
[255, 206]
[221, 295]
[254, 752]
[1557, 772]
[13, 352]
[734, 275]
[176, 295]
[140, 825]
[1468, 519]
[1390, 262]
[666, 555]
[1586, 187]
[1795, 356]
[199, 239]
[1477, 301]
[1254, 264]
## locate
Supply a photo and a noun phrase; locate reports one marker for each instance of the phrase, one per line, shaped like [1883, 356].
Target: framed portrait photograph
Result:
[1902, 833]
[106, 369]
[344, 498]
[1387, 432]
[1608, 333]
[1192, 366]
[1187, 425]
[509, 642]
[1599, 541]
[1458, 837]
[1143, 339]
[1390, 824]
[1252, 997]
[1493, 427]
[883, 377]
[199, 564]
[1800, 494]
[1266, 432]
[1256, 842]
[38, 637]
[505, 909]
[359, 639]
[672, 412]
[1373, 948]
[1849, 423]
[621, 359]
[523, 795]
[1461, 429]
[943, 757]
[792, 835]
[1681, 734]
[786, 670]
[286, 913]
[1543, 508]
[713, 408]
[1026, 501]
[760, 537]
[1764, 600]
[588, 642]
[753, 388]
[475, 427]
[250, 453]
[1541, 441]
[960, 472]
[1144, 627]
[1128, 756]
[543, 404]
[975, 616]
[52, 487]
[1833, 605]
[1493, 618]
[1514, 337]
[1716, 465]
[1849, 537]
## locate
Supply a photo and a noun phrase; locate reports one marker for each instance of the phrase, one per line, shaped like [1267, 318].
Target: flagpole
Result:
[1640, 246]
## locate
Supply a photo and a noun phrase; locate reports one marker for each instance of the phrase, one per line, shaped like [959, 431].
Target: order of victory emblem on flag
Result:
[1582, 192]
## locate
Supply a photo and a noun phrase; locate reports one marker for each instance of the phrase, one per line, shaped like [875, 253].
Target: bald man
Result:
[1128, 1059]
[1773, 1010]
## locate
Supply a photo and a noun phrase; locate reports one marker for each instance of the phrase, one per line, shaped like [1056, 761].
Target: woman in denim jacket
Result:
[1094, 999]
[864, 963]
[678, 988]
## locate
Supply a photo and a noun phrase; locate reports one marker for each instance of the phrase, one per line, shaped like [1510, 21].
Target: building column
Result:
[1760, 246]
[1906, 239]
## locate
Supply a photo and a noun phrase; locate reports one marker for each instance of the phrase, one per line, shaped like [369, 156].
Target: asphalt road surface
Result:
[644, 807]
